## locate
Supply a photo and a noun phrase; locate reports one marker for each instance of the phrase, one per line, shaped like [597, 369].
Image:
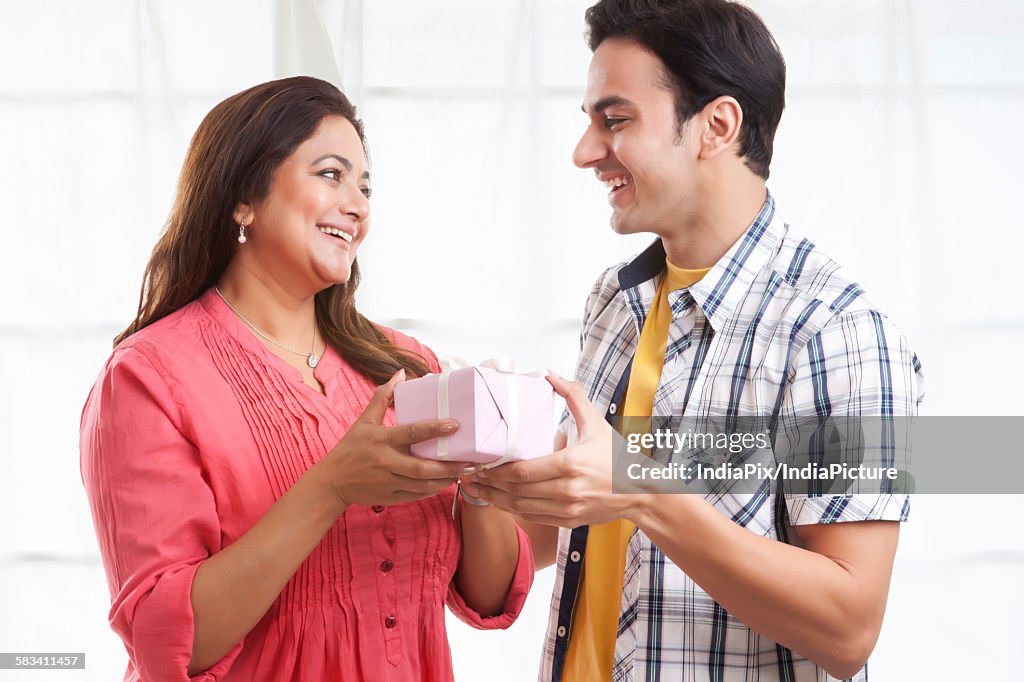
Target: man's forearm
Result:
[822, 607]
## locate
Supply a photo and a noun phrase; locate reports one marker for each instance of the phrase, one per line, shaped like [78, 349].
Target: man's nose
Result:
[589, 150]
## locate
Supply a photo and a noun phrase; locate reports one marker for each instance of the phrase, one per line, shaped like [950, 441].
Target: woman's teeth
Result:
[613, 183]
[337, 233]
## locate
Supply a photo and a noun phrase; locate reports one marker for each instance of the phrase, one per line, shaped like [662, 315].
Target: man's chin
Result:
[621, 225]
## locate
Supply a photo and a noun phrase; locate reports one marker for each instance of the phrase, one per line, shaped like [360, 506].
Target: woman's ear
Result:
[243, 214]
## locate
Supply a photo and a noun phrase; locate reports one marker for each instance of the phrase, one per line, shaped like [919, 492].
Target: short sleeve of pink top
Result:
[190, 434]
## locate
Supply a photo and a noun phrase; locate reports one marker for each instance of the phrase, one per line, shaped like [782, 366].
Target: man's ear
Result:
[722, 118]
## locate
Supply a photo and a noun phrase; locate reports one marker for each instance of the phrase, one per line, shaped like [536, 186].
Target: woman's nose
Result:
[355, 204]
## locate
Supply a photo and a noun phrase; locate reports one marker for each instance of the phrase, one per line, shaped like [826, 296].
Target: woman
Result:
[258, 514]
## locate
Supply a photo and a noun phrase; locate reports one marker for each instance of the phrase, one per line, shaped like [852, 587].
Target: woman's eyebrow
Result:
[342, 160]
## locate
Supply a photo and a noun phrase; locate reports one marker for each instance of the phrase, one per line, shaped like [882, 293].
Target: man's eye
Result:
[612, 122]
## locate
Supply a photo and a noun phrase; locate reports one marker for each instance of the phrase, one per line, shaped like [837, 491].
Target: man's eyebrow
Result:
[605, 102]
[342, 160]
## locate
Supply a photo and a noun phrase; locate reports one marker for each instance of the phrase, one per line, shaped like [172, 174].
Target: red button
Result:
[390, 622]
[378, 508]
[386, 565]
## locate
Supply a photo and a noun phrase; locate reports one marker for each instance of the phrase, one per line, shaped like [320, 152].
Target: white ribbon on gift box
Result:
[504, 366]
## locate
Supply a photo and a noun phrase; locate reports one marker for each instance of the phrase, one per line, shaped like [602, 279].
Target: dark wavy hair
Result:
[231, 160]
[710, 48]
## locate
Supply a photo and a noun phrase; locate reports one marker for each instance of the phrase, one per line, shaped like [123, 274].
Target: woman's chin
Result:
[333, 272]
[335, 280]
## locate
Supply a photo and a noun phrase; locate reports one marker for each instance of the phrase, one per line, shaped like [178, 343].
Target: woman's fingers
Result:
[401, 497]
[407, 466]
[376, 465]
[381, 399]
[401, 437]
[427, 486]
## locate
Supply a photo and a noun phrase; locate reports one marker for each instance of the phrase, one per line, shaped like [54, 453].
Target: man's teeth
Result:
[612, 183]
[337, 233]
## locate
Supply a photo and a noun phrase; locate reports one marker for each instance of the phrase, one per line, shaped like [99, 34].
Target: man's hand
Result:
[568, 488]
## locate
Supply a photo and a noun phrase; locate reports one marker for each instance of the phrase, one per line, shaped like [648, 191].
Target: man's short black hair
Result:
[710, 48]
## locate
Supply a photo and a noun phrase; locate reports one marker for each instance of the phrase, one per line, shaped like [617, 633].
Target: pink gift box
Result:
[478, 398]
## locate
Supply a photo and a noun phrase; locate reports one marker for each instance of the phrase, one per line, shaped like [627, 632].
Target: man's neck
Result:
[725, 213]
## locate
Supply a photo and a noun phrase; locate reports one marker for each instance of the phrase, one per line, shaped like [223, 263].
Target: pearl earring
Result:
[241, 233]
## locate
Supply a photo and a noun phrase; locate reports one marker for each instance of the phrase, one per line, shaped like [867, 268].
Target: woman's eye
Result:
[610, 123]
[367, 192]
[332, 173]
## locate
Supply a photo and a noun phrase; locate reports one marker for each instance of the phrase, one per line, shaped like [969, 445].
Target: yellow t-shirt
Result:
[596, 617]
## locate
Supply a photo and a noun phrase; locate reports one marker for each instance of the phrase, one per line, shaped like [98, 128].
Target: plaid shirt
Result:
[773, 329]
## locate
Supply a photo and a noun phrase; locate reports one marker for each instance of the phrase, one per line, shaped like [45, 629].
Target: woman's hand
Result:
[372, 465]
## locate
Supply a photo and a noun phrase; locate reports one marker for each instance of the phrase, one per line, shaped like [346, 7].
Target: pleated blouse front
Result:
[192, 431]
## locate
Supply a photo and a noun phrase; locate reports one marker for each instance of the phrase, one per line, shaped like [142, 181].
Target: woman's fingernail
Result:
[469, 471]
[448, 427]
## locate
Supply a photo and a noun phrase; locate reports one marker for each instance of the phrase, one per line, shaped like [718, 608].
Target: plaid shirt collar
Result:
[718, 292]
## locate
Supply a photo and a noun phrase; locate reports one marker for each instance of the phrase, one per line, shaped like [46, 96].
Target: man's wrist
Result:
[637, 508]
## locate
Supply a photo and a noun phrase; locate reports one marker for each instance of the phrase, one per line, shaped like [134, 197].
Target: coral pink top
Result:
[192, 431]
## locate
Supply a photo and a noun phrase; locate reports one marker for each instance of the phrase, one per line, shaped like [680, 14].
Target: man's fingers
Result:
[525, 506]
[552, 488]
[381, 399]
[401, 437]
[528, 471]
[575, 400]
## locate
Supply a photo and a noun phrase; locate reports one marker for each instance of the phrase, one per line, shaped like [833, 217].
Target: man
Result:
[729, 312]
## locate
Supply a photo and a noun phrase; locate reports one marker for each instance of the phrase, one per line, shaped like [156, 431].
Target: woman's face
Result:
[306, 231]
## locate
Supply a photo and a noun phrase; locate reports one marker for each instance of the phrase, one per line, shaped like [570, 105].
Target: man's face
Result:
[632, 142]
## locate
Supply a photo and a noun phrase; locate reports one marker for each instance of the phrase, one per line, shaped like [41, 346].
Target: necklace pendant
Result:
[312, 360]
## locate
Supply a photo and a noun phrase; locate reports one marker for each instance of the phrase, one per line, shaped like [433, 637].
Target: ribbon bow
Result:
[504, 365]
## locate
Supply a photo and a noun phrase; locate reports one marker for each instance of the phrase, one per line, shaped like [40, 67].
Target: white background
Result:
[899, 153]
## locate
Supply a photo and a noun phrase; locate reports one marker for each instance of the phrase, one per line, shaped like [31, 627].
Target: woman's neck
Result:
[265, 303]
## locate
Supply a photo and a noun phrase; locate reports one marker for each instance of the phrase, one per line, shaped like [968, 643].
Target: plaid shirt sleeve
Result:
[596, 300]
[857, 365]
